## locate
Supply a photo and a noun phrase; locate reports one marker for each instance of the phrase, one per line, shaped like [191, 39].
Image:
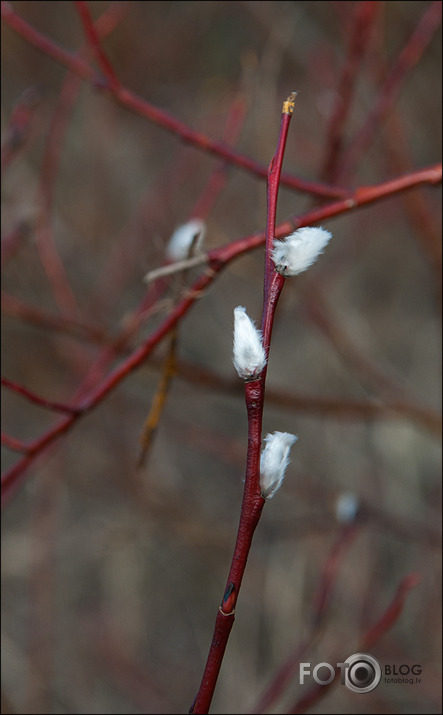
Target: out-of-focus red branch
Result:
[18, 131]
[44, 44]
[93, 39]
[218, 178]
[21, 310]
[12, 478]
[363, 19]
[152, 298]
[46, 245]
[337, 408]
[372, 636]
[217, 259]
[136, 104]
[14, 240]
[15, 445]
[407, 59]
[320, 604]
[37, 400]
[392, 613]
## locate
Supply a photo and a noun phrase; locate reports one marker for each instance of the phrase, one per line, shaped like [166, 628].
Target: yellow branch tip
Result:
[288, 104]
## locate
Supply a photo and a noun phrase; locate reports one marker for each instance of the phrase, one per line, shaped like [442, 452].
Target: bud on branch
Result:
[300, 250]
[186, 240]
[249, 353]
[273, 462]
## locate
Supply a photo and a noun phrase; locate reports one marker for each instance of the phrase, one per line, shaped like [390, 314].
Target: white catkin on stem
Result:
[274, 460]
[188, 236]
[346, 507]
[299, 250]
[249, 353]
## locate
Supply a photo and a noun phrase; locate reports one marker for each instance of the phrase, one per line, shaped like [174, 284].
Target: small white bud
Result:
[190, 234]
[300, 250]
[273, 462]
[249, 353]
[346, 507]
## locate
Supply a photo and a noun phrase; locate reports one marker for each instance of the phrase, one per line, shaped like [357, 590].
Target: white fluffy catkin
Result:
[184, 237]
[299, 250]
[273, 462]
[346, 507]
[249, 353]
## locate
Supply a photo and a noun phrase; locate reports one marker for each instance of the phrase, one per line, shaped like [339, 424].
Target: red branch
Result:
[32, 397]
[364, 14]
[320, 603]
[19, 129]
[15, 445]
[218, 258]
[140, 106]
[46, 245]
[407, 59]
[52, 321]
[392, 613]
[251, 510]
[253, 502]
[372, 636]
[94, 42]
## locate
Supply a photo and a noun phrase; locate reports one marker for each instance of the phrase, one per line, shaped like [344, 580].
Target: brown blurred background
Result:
[112, 575]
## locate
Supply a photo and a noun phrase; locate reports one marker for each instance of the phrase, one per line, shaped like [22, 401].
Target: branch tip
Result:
[288, 104]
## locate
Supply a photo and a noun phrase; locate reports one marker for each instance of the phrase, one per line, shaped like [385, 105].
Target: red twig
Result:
[363, 19]
[15, 445]
[12, 478]
[253, 502]
[418, 207]
[14, 240]
[337, 408]
[46, 244]
[218, 178]
[30, 313]
[252, 507]
[372, 636]
[93, 39]
[32, 397]
[407, 59]
[155, 291]
[392, 613]
[320, 604]
[140, 106]
[217, 260]
[19, 130]
[44, 44]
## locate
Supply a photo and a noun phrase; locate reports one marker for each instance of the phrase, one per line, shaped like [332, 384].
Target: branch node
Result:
[231, 613]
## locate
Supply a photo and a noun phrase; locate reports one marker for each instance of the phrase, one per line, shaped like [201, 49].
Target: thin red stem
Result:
[364, 14]
[401, 68]
[274, 176]
[46, 245]
[93, 39]
[217, 260]
[20, 127]
[253, 502]
[392, 613]
[252, 506]
[320, 604]
[372, 636]
[37, 400]
[11, 305]
[140, 106]
[14, 240]
[15, 445]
